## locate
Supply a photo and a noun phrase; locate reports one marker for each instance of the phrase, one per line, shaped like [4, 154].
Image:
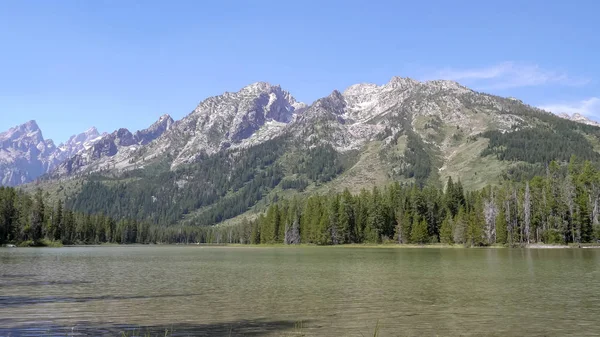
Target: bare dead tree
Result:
[287, 234]
[544, 215]
[508, 219]
[568, 198]
[595, 210]
[527, 211]
[399, 227]
[490, 211]
[292, 233]
[515, 218]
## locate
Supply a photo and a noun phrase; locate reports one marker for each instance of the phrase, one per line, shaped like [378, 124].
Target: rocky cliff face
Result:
[579, 118]
[23, 154]
[155, 130]
[366, 112]
[439, 112]
[113, 148]
[254, 114]
[76, 144]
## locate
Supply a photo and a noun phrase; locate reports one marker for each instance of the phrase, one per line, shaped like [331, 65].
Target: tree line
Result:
[32, 220]
[559, 207]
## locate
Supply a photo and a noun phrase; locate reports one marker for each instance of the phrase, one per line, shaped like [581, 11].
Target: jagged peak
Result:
[360, 88]
[258, 87]
[165, 117]
[121, 131]
[31, 125]
[401, 82]
[29, 129]
[446, 85]
[370, 88]
[336, 95]
[91, 130]
[335, 102]
[251, 91]
[49, 144]
[577, 117]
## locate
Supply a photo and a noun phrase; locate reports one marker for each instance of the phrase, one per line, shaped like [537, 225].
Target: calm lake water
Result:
[220, 291]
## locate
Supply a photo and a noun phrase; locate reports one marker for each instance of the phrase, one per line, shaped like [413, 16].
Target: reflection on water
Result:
[200, 291]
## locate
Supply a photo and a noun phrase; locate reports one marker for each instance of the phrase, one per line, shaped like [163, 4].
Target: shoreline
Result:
[351, 245]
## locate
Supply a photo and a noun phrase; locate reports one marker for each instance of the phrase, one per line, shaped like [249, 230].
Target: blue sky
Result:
[122, 63]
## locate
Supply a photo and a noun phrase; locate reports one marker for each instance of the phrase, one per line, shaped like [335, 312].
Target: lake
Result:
[310, 291]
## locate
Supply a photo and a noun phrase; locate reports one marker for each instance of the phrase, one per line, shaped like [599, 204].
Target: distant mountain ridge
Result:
[240, 150]
[25, 155]
[255, 114]
[579, 118]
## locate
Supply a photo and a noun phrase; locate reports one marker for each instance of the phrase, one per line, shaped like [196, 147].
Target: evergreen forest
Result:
[559, 206]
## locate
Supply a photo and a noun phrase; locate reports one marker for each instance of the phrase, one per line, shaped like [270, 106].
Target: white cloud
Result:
[507, 75]
[588, 107]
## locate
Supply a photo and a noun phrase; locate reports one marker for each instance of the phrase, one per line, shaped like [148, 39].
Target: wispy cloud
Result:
[588, 107]
[507, 75]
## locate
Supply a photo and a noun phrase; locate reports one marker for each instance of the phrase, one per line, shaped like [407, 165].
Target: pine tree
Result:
[475, 223]
[460, 227]
[255, 236]
[334, 226]
[376, 221]
[58, 222]
[419, 233]
[446, 230]
[346, 216]
[527, 213]
[37, 216]
[501, 229]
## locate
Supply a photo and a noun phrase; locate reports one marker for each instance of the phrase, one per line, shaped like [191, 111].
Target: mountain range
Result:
[240, 149]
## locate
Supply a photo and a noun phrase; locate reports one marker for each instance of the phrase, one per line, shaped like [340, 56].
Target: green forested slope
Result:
[471, 142]
[560, 207]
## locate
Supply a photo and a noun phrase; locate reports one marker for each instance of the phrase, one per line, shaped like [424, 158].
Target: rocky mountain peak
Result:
[401, 82]
[154, 131]
[30, 126]
[76, 144]
[361, 89]
[334, 103]
[446, 85]
[92, 132]
[123, 137]
[579, 118]
[165, 117]
[259, 87]
[80, 139]
[23, 154]
[261, 111]
[49, 145]
[22, 137]
[118, 146]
